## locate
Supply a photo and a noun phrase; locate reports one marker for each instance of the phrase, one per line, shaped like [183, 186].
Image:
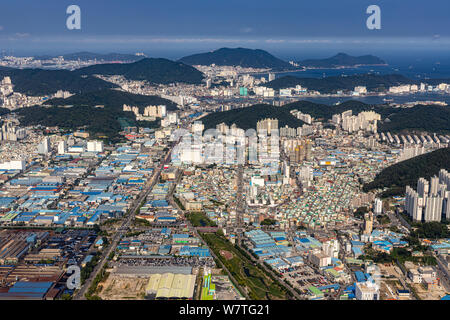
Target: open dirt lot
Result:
[123, 288]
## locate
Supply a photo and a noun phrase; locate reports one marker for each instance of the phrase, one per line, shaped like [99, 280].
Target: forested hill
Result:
[247, 58]
[39, 82]
[324, 112]
[153, 70]
[420, 118]
[373, 82]
[100, 113]
[396, 177]
[112, 98]
[342, 60]
[246, 118]
[417, 119]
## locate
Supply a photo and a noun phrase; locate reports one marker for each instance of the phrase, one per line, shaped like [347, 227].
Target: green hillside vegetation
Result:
[38, 82]
[155, 71]
[246, 118]
[80, 112]
[112, 98]
[4, 111]
[433, 230]
[396, 177]
[325, 112]
[247, 58]
[97, 121]
[418, 119]
[341, 60]
[333, 84]
[431, 119]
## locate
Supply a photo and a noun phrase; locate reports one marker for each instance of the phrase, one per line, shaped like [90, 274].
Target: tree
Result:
[96, 228]
[360, 212]
[268, 222]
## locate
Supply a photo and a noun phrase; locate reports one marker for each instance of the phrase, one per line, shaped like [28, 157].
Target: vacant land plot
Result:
[123, 288]
[225, 289]
[434, 293]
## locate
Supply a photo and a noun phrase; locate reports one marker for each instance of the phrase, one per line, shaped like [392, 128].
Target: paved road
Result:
[398, 220]
[402, 278]
[122, 230]
[443, 273]
[197, 235]
[239, 204]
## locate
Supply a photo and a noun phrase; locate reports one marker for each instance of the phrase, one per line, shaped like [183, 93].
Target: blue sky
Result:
[183, 26]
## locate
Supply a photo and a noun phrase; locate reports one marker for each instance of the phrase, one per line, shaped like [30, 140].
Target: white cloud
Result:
[246, 30]
[132, 39]
[1, 28]
[22, 35]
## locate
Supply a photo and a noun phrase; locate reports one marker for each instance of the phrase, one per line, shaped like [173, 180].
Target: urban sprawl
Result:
[181, 212]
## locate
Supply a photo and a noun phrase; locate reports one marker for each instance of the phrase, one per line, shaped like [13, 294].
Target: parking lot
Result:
[156, 261]
[303, 277]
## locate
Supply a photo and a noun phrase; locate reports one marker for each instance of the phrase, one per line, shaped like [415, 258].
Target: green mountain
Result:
[420, 118]
[98, 122]
[431, 119]
[247, 58]
[396, 177]
[156, 71]
[342, 60]
[333, 84]
[38, 82]
[246, 118]
[113, 99]
[83, 112]
[324, 112]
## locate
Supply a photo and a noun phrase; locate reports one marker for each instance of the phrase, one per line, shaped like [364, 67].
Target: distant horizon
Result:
[419, 63]
[296, 53]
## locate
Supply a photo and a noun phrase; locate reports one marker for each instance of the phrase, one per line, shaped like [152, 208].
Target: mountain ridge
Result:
[244, 57]
[153, 70]
[334, 83]
[342, 60]
[41, 82]
[396, 177]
